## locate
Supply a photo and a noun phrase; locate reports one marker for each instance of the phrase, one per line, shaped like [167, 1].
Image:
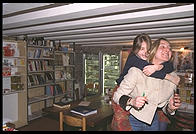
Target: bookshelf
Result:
[50, 74]
[14, 82]
[40, 74]
[64, 70]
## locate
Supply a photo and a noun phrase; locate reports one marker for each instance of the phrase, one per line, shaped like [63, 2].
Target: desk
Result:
[104, 111]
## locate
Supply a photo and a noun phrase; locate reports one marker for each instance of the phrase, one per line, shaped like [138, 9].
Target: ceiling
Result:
[100, 24]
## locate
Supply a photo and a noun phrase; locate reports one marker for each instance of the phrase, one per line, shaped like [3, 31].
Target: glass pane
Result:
[111, 71]
[92, 73]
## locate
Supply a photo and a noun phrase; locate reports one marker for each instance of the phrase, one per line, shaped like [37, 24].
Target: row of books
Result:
[40, 53]
[62, 75]
[52, 90]
[40, 65]
[40, 42]
[62, 60]
[40, 79]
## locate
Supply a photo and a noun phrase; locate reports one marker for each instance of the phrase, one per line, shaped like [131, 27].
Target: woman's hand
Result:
[138, 102]
[174, 103]
[150, 69]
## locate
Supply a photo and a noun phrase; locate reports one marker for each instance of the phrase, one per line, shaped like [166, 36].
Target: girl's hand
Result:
[150, 69]
[174, 79]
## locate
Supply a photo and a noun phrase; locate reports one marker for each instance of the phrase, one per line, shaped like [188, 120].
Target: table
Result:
[104, 111]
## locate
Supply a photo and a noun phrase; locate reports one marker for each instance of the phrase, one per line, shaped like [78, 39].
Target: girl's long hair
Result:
[138, 42]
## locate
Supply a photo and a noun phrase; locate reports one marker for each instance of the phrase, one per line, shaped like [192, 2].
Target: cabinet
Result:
[40, 59]
[14, 82]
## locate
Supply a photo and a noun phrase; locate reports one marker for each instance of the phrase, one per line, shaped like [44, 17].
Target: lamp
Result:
[182, 49]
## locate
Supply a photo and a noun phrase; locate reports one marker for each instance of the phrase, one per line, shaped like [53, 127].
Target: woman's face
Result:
[142, 53]
[164, 52]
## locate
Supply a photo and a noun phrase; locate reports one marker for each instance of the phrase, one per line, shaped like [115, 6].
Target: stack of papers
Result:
[84, 103]
[62, 105]
[83, 110]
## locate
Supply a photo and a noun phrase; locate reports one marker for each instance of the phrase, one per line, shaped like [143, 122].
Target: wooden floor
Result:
[41, 124]
[49, 123]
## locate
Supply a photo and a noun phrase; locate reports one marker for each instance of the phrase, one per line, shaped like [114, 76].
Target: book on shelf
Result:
[20, 62]
[38, 53]
[47, 53]
[17, 87]
[41, 79]
[14, 71]
[57, 89]
[31, 53]
[6, 71]
[16, 79]
[49, 77]
[31, 80]
[62, 104]
[58, 60]
[6, 84]
[65, 59]
[48, 90]
[83, 110]
[9, 49]
[58, 74]
[8, 62]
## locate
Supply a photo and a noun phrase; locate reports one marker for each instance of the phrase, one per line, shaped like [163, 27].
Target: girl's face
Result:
[164, 52]
[142, 53]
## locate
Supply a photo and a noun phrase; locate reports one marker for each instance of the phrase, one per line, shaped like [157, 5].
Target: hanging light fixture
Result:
[182, 49]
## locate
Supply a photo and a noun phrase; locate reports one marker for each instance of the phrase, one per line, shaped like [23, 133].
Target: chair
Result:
[120, 121]
[91, 89]
[72, 121]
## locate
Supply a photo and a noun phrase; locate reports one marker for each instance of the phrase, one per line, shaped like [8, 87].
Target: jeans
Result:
[138, 125]
[163, 126]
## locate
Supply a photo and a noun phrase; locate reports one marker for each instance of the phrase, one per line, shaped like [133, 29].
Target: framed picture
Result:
[183, 60]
